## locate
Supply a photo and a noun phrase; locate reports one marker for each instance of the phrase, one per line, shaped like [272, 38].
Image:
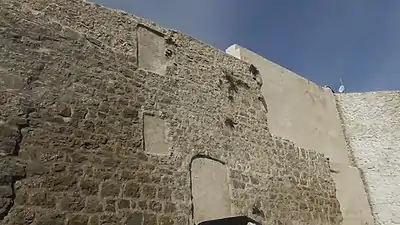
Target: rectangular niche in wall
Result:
[151, 50]
[210, 190]
[154, 135]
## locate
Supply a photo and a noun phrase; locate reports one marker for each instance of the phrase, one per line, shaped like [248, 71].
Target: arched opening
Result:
[210, 190]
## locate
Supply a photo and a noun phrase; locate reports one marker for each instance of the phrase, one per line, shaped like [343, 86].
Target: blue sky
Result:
[322, 40]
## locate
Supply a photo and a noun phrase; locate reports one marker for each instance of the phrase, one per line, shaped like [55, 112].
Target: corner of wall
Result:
[234, 50]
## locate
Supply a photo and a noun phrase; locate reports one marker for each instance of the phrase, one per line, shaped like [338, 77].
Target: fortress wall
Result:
[103, 114]
[306, 113]
[372, 125]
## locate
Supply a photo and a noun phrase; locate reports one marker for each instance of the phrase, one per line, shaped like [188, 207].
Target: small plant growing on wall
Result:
[233, 84]
[254, 70]
[230, 123]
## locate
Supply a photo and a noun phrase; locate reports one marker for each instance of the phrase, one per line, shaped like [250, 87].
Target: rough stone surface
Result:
[372, 125]
[72, 111]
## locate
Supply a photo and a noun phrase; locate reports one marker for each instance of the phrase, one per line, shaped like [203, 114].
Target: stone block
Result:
[123, 204]
[6, 191]
[110, 188]
[134, 219]
[72, 204]
[93, 205]
[9, 140]
[210, 190]
[154, 135]
[132, 189]
[89, 186]
[151, 46]
[78, 220]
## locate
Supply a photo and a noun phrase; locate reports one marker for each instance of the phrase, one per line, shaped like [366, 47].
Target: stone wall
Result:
[83, 88]
[372, 125]
[306, 114]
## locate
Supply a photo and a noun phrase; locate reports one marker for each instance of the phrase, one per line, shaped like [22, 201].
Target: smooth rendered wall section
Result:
[298, 109]
[372, 126]
[306, 114]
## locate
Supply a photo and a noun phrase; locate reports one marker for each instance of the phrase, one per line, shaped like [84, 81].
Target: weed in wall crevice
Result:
[229, 122]
[233, 83]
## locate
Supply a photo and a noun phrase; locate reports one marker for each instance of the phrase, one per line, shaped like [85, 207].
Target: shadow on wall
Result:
[237, 220]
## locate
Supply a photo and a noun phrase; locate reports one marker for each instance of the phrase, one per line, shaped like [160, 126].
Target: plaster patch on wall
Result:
[151, 50]
[154, 135]
[210, 190]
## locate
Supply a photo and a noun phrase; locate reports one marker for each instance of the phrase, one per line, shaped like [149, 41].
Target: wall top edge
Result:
[397, 92]
[242, 50]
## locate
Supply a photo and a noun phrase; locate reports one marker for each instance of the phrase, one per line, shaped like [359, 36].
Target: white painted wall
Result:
[372, 124]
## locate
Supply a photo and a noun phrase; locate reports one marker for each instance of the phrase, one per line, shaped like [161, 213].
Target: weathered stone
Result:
[150, 219]
[110, 188]
[43, 199]
[51, 218]
[93, 205]
[108, 219]
[35, 168]
[93, 220]
[5, 204]
[60, 183]
[134, 219]
[143, 205]
[64, 110]
[110, 205]
[9, 140]
[132, 189]
[22, 216]
[169, 207]
[165, 220]
[149, 192]
[72, 204]
[78, 220]
[123, 204]
[5, 179]
[89, 186]
[155, 206]
[131, 113]
[164, 193]
[21, 197]
[6, 191]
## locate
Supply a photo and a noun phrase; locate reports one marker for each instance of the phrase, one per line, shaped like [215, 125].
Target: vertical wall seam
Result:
[352, 156]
